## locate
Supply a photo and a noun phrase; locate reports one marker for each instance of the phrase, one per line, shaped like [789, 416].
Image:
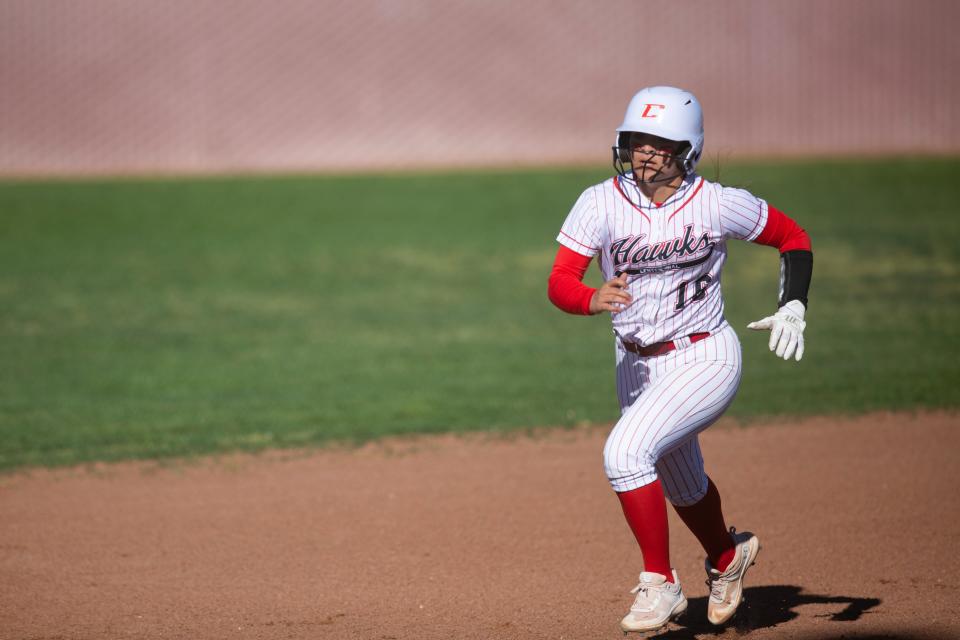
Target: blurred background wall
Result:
[137, 86]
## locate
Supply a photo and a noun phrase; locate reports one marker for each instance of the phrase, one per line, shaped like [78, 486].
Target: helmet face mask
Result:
[672, 120]
[637, 154]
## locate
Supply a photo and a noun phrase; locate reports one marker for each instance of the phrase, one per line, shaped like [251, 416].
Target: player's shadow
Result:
[764, 607]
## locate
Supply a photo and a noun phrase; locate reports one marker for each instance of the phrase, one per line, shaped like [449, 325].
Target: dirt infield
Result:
[483, 537]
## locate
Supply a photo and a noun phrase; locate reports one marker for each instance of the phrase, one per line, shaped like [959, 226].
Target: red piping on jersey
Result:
[572, 239]
[687, 201]
[565, 287]
[782, 232]
[616, 183]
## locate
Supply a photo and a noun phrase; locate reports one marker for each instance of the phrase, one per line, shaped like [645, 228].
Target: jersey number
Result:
[699, 291]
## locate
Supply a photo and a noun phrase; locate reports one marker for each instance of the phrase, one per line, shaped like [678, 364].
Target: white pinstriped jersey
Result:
[673, 253]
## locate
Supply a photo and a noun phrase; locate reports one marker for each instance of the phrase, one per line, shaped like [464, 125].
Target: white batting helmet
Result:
[666, 112]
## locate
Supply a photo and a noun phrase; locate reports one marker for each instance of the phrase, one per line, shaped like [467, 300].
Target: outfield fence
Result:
[109, 86]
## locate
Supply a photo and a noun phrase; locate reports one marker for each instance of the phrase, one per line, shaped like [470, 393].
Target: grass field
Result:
[155, 318]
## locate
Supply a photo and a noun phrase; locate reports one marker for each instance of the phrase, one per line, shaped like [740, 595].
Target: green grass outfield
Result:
[142, 319]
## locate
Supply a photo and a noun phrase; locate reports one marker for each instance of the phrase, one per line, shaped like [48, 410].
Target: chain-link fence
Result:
[106, 86]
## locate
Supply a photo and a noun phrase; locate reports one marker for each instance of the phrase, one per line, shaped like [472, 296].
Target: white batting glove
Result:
[786, 329]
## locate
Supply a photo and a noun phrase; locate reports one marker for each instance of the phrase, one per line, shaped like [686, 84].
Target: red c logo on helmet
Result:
[648, 111]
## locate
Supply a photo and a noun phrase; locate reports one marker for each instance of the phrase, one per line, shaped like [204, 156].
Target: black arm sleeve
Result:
[796, 269]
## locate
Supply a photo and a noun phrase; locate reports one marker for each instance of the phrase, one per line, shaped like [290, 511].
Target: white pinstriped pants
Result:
[665, 401]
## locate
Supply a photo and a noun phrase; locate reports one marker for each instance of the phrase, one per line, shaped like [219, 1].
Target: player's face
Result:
[654, 158]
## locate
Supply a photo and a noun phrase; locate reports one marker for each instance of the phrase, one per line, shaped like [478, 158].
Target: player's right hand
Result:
[612, 296]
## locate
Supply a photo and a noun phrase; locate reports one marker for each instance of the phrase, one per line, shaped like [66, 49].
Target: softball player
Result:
[659, 232]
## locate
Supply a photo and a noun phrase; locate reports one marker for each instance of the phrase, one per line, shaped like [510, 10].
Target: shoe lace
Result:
[717, 587]
[715, 582]
[643, 594]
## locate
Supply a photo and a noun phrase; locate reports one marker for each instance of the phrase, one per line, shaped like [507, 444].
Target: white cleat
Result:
[657, 603]
[726, 588]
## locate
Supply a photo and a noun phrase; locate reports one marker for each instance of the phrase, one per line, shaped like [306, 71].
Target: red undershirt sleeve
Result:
[783, 233]
[565, 287]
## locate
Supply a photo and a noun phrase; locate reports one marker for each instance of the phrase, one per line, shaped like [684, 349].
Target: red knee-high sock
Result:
[646, 513]
[705, 520]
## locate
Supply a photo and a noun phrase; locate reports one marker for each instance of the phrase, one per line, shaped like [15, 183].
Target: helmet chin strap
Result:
[656, 179]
